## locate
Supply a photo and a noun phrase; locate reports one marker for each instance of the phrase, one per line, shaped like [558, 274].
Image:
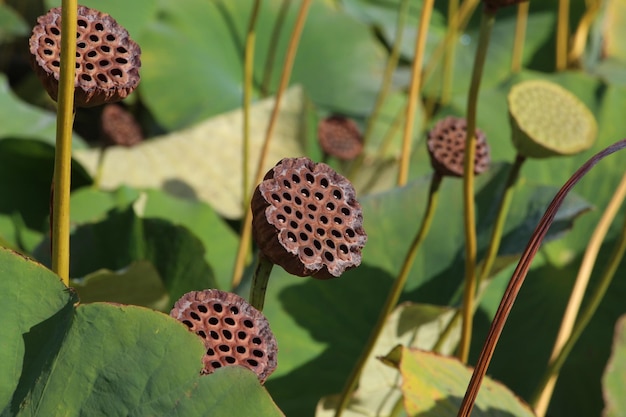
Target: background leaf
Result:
[445, 380]
[203, 162]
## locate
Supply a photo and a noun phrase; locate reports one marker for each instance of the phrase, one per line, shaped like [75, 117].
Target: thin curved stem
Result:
[246, 233]
[542, 400]
[392, 63]
[579, 39]
[498, 225]
[562, 33]
[416, 83]
[260, 278]
[248, 68]
[63, 151]
[392, 296]
[517, 279]
[520, 35]
[486, 24]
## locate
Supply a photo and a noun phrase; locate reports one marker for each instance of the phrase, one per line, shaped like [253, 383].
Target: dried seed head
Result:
[496, 4]
[306, 219]
[547, 120]
[233, 332]
[119, 126]
[446, 147]
[107, 60]
[340, 137]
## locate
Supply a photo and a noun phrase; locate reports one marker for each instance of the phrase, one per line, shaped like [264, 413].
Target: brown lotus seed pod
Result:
[233, 332]
[446, 147]
[119, 127]
[340, 137]
[306, 218]
[107, 60]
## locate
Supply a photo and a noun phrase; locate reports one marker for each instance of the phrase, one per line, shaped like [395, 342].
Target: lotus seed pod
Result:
[547, 120]
[340, 137]
[233, 332]
[107, 60]
[119, 126]
[306, 218]
[446, 148]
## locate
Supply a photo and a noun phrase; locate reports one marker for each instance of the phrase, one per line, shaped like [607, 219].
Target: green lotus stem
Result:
[390, 67]
[416, 82]
[517, 279]
[486, 24]
[520, 35]
[450, 42]
[63, 151]
[246, 233]
[542, 399]
[260, 279]
[392, 296]
[492, 251]
[498, 226]
[562, 33]
[248, 68]
[271, 53]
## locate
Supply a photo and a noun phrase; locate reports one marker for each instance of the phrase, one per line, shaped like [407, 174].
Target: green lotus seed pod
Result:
[547, 120]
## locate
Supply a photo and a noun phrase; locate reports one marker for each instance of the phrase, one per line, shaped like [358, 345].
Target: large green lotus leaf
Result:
[104, 359]
[30, 295]
[21, 120]
[416, 325]
[11, 24]
[26, 168]
[204, 161]
[219, 240]
[614, 379]
[123, 237]
[435, 385]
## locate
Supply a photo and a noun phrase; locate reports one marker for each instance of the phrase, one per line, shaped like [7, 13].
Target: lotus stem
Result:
[562, 34]
[248, 68]
[63, 153]
[260, 279]
[520, 35]
[392, 296]
[416, 82]
[486, 24]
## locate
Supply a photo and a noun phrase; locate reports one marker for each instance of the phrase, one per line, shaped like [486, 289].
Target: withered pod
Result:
[340, 137]
[107, 60]
[233, 332]
[306, 218]
[446, 147]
